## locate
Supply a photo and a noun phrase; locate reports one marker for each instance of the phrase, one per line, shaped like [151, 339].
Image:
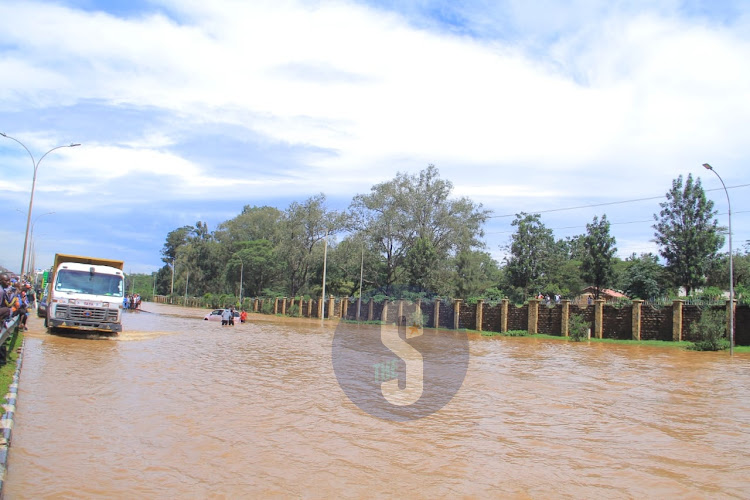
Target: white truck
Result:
[85, 293]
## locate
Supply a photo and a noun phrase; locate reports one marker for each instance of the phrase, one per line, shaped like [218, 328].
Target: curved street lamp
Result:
[731, 266]
[33, 185]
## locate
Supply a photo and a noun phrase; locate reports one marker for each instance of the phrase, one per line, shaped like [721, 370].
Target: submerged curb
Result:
[6, 423]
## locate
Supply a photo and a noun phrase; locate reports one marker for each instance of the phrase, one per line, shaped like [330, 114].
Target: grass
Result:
[363, 322]
[654, 343]
[7, 370]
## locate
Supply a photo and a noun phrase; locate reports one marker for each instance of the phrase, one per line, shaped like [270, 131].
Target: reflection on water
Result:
[180, 407]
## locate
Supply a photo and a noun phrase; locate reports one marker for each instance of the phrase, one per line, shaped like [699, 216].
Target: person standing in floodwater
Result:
[225, 316]
[243, 316]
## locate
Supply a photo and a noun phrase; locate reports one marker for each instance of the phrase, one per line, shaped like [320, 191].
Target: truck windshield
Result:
[85, 282]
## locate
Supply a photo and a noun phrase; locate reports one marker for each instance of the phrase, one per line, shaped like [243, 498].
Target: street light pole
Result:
[361, 274]
[242, 269]
[325, 260]
[31, 240]
[33, 185]
[731, 266]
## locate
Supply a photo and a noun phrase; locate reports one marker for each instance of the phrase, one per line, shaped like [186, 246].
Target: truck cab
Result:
[86, 294]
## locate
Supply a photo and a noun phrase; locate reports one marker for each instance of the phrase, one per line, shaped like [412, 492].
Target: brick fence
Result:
[638, 321]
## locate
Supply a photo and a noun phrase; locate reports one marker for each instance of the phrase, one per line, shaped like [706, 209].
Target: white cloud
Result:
[620, 101]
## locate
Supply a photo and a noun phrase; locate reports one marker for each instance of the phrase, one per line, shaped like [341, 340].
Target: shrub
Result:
[710, 293]
[577, 328]
[416, 319]
[293, 310]
[267, 307]
[711, 332]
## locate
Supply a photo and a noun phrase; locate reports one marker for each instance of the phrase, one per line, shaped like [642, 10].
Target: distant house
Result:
[607, 294]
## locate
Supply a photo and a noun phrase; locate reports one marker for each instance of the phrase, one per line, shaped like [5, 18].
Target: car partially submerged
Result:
[215, 315]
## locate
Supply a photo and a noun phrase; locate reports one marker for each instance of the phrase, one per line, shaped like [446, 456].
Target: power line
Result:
[613, 223]
[605, 204]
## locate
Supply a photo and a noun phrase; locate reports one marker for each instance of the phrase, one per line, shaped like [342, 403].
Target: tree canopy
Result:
[688, 235]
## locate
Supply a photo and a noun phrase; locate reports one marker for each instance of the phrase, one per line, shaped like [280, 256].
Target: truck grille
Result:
[79, 313]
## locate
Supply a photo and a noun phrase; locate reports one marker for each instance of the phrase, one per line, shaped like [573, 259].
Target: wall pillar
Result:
[677, 320]
[599, 318]
[309, 307]
[320, 307]
[255, 305]
[384, 312]
[331, 306]
[480, 304]
[344, 307]
[359, 307]
[504, 315]
[456, 313]
[436, 314]
[565, 322]
[371, 310]
[533, 327]
[283, 306]
[637, 316]
[400, 313]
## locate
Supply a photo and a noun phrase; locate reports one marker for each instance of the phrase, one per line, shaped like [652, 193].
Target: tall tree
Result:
[422, 265]
[254, 223]
[398, 213]
[687, 236]
[303, 227]
[255, 264]
[530, 249]
[599, 250]
[175, 239]
[475, 272]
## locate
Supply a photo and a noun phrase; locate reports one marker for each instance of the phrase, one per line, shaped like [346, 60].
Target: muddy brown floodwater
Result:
[177, 407]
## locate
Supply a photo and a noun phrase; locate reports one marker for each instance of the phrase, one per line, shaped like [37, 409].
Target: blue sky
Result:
[191, 110]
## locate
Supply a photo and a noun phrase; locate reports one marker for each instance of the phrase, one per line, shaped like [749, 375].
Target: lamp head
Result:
[707, 166]
[72, 145]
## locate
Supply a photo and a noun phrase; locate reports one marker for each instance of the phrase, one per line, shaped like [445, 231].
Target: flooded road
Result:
[178, 407]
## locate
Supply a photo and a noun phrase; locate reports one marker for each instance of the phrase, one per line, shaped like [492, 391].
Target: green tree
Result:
[254, 223]
[256, 264]
[687, 236]
[397, 213]
[642, 277]
[599, 250]
[475, 273]
[175, 239]
[422, 265]
[718, 274]
[530, 249]
[303, 227]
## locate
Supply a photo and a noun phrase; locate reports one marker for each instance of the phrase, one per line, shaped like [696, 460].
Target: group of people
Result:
[547, 299]
[227, 316]
[132, 301]
[16, 299]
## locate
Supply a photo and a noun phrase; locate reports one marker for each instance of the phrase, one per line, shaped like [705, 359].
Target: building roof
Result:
[604, 291]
